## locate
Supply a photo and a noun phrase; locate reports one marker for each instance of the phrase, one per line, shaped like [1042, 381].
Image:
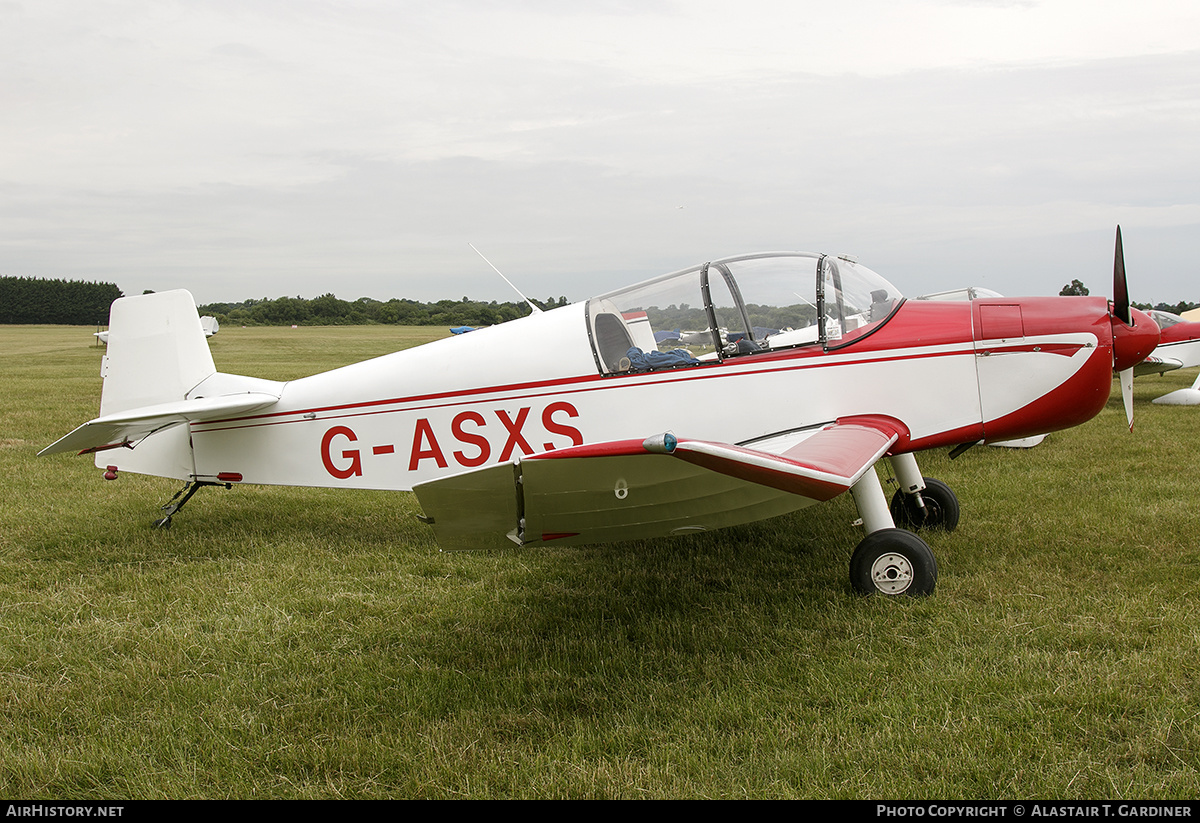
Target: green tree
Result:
[67, 302]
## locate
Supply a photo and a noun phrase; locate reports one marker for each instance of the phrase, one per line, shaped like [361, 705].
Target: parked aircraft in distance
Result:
[208, 324]
[1178, 346]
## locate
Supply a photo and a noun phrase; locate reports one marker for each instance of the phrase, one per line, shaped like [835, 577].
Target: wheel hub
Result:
[933, 513]
[928, 516]
[892, 573]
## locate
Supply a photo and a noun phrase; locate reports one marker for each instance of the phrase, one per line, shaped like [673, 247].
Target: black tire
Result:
[941, 508]
[893, 562]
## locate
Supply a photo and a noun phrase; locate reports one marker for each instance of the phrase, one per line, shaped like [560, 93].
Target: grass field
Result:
[289, 643]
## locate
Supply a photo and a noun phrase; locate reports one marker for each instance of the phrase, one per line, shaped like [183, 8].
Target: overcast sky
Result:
[261, 148]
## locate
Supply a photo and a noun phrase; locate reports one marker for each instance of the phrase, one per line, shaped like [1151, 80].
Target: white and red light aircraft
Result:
[1178, 345]
[1178, 348]
[571, 427]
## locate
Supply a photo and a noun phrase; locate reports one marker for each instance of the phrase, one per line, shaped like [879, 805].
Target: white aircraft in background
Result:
[1179, 348]
[570, 427]
[208, 325]
[1181, 397]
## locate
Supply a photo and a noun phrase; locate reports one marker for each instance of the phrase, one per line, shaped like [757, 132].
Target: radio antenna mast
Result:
[536, 310]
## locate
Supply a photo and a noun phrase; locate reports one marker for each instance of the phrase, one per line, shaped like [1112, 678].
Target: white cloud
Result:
[263, 148]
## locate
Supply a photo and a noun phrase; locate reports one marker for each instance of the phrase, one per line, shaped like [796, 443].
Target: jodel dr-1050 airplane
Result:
[570, 426]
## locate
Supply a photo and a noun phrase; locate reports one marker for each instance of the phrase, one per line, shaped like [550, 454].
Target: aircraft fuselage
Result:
[948, 373]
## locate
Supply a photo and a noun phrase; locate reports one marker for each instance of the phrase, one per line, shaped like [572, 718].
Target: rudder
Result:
[157, 351]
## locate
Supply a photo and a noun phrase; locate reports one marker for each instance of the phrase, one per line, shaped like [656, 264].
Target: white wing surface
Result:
[632, 489]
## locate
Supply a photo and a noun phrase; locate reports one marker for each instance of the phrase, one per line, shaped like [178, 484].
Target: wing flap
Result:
[594, 498]
[605, 499]
[478, 509]
[126, 428]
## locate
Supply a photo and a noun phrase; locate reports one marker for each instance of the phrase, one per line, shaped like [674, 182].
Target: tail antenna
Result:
[536, 310]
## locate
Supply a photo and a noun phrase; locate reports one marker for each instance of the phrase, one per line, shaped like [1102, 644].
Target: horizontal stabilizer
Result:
[132, 425]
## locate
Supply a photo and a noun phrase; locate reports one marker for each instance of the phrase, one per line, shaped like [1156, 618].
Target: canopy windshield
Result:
[737, 306]
[1164, 318]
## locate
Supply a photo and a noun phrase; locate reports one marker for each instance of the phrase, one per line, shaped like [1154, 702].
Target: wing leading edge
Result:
[631, 489]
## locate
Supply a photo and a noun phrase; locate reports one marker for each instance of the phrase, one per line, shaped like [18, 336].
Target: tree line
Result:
[31, 300]
[66, 302]
[79, 303]
[1076, 289]
[1173, 308]
[329, 310]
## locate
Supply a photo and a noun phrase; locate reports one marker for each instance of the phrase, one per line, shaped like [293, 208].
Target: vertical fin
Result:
[157, 353]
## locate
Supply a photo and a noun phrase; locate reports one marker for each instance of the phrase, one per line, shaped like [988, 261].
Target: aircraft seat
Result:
[612, 340]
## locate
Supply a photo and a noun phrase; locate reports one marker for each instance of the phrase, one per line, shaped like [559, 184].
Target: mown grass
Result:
[291, 643]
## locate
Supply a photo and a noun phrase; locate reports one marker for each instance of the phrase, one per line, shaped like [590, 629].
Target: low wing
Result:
[648, 488]
[1155, 364]
[129, 427]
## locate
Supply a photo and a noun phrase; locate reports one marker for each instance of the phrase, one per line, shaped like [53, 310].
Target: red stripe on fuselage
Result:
[576, 385]
[929, 325]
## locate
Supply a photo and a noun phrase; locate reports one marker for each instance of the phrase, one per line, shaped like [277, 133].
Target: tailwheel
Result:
[940, 509]
[893, 562]
[178, 501]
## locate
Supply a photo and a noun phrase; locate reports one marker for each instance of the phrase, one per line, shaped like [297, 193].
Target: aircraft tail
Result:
[157, 351]
[157, 355]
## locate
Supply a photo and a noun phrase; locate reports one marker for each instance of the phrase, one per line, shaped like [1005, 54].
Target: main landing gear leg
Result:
[921, 502]
[908, 477]
[889, 560]
[177, 502]
[872, 505]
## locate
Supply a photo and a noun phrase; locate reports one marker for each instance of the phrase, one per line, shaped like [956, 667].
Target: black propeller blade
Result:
[1120, 289]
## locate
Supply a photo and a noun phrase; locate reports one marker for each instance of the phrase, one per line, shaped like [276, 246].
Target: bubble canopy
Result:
[741, 305]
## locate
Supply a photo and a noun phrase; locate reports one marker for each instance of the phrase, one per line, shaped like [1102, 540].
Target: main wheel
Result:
[893, 562]
[941, 508]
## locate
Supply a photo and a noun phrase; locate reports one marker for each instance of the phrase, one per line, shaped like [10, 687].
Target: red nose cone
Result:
[1133, 344]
